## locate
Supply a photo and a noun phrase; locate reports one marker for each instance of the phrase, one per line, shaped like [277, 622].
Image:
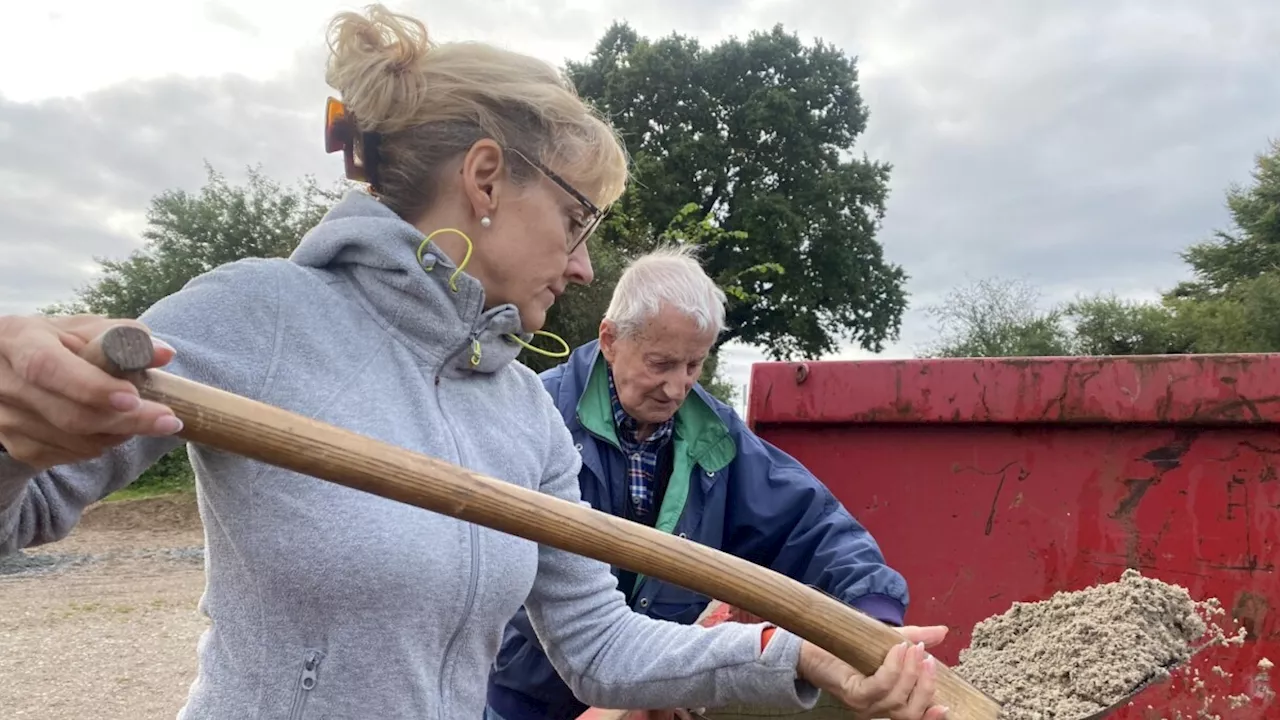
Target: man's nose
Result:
[579, 270]
[676, 388]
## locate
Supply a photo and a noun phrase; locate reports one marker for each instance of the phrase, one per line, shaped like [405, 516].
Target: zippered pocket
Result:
[306, 683]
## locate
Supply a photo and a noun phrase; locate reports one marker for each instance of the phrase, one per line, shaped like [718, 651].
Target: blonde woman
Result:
[399, 316]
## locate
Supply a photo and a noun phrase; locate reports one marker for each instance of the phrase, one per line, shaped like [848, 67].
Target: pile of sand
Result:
[1077, 653]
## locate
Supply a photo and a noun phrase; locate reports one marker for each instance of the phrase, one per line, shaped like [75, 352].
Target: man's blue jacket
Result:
[728, 490]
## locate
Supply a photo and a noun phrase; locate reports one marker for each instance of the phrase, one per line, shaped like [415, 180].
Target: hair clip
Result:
[339, 134]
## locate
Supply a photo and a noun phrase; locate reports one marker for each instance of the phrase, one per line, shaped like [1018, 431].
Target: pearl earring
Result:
[485, 221]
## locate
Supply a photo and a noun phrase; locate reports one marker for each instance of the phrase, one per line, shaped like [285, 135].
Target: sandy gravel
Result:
[104, 623]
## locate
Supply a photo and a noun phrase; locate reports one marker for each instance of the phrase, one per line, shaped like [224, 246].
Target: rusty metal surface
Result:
[1185, 389]
[980, 514]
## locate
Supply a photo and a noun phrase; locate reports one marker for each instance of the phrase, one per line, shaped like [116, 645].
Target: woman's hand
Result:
[902, 689]
[56, 408]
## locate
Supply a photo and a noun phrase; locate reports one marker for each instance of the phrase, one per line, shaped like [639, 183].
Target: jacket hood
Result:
[434, 309]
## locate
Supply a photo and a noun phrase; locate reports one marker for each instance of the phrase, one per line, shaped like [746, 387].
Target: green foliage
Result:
[1252, 248]
[690, 226]
[1232, 305]
[997, 318]
[1004, 318]
[1244, 317]
[757, 135]
[171, 473]
[190, 234]
[716, 384]
[1106, 325]
[576, 315]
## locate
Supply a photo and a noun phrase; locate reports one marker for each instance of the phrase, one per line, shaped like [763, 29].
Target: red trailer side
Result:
[990, 481]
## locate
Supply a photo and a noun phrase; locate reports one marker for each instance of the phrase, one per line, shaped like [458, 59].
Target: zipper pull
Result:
[309, 671]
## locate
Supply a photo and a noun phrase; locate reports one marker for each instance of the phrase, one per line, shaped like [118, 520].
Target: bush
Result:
[171, 473]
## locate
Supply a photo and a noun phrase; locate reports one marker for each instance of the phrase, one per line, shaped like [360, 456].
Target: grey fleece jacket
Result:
[327, 602]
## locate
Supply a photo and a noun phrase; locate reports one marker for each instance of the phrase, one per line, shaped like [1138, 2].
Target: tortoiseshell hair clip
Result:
[340, 134]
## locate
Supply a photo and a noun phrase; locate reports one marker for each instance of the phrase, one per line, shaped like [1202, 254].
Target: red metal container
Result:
[1000, 480]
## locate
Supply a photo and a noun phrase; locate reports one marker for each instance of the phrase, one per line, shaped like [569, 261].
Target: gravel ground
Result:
[104, 623]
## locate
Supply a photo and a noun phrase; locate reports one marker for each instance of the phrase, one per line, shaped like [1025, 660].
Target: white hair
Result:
[669, 275]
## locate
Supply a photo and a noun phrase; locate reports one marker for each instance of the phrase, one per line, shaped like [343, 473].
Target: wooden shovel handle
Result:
[235, 424]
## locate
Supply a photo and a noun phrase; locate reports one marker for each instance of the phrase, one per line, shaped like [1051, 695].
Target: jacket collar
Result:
[377, 251]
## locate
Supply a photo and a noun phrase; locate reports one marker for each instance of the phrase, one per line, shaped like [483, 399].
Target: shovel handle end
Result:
[123, 350]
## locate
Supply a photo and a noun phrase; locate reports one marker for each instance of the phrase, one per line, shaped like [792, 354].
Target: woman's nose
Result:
[579, 270]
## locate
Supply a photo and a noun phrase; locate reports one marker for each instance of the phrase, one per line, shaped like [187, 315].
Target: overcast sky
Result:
[1079, 147]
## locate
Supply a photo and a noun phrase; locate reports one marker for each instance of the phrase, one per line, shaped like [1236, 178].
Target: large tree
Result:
[1248, 250]
[758, 135]
[1233, 302]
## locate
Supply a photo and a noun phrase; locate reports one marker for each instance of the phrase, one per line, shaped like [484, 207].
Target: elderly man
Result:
[659, 450]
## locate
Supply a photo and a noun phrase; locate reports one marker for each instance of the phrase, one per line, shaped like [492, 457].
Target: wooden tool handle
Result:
[275, 436]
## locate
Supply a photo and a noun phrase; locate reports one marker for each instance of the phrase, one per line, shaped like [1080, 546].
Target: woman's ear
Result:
[484, 174]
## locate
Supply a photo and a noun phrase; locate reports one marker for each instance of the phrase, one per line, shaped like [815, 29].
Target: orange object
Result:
[339, 135]
[765, 637]
[337, 128]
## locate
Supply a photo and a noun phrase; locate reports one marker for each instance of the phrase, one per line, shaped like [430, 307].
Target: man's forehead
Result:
[669, 321]
[657, 345]
[675, 354]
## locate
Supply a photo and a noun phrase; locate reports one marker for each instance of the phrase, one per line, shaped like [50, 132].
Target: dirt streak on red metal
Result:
[1000, 480]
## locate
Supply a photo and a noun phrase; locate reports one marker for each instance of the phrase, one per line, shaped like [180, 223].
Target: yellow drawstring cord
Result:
[453, 279]
[545, 353]
[453, 285]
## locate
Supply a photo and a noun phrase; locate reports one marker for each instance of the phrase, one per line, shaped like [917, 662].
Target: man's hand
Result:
[55, 407]
[902, 689]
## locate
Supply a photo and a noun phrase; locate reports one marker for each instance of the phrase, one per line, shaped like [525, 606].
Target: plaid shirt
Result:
[641, 455]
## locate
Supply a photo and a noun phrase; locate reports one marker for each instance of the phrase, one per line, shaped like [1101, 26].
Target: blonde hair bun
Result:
[376, 61]
[431, 102]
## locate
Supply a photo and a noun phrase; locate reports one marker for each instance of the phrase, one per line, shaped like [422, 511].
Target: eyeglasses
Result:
[594, 214]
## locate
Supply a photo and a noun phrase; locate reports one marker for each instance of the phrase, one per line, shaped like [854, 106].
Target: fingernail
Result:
[930, 663]
[157, 342]
[125, 401]
[168, 425]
